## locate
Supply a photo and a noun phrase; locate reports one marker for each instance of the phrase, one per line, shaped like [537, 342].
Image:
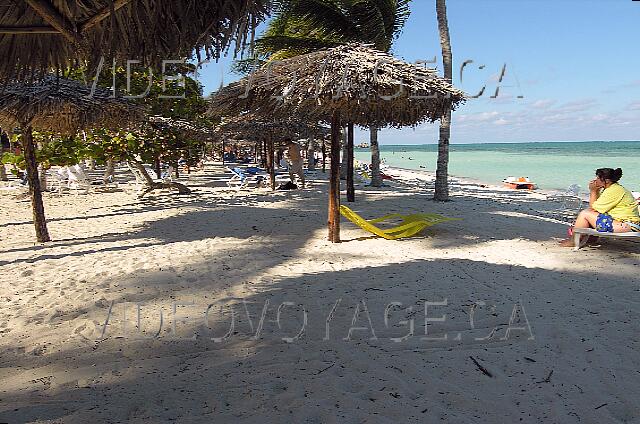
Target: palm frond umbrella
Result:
[37, 35]
[353, 84]
[186, 128]
[61, 106]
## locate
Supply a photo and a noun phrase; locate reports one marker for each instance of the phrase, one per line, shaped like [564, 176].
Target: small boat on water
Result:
[521, 183]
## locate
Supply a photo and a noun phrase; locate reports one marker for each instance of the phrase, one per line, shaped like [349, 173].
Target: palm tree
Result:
[442, 184]
[304, 26]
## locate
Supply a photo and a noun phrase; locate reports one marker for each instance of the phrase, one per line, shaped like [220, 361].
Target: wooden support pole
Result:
[54, 18]
[324, 156]
[270, 162]
[158, 169]
[351, 190]
[103, 14]
[334, 181]
[39, 220]
[29, 30]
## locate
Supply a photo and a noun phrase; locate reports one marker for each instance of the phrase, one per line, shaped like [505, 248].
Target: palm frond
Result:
[301, 45]
[328, 15]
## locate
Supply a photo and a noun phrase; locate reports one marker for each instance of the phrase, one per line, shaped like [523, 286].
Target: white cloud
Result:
[542, 104]
[478, 117]
[580, 105]
[633, 106]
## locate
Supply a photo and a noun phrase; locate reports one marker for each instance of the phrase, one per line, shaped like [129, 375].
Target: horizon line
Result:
[514, 142]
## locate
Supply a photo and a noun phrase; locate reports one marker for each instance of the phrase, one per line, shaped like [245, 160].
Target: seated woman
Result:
[612, 207]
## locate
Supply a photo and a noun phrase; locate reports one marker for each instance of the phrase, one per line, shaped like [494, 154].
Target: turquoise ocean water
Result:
[552, 165]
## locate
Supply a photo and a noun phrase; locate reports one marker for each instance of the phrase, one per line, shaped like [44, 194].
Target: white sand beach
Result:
[528, 332]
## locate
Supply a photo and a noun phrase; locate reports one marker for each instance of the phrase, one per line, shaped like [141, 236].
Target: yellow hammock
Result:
[410, 226]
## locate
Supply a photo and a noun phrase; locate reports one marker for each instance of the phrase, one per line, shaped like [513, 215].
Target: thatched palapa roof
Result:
[64, 106]
[43, 34]
[366, 86]
[185, 128]
[252, 127]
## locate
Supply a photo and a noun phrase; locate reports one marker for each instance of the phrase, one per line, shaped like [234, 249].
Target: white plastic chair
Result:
[78, 179]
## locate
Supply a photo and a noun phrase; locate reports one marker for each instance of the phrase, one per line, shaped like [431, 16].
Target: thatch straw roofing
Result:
[63, 106]
[36, 35]
[352, 79]
[185, 128]
[250, 126]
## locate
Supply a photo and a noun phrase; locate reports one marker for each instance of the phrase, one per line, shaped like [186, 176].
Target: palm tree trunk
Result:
[39, 220]
[442, 170]
[351, 190]
[334, 181]
[376, 178]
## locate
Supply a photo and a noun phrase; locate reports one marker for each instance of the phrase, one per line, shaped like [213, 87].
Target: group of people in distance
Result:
[612, 208]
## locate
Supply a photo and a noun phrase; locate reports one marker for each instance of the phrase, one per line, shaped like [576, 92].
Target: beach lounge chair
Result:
[362, 177]
[57, 180]
[78, 180]
[410, 225]
[14, 188]
[240, 179]
[579, 244]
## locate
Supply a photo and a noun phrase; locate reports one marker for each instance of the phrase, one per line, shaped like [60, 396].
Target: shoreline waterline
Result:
[553, 166]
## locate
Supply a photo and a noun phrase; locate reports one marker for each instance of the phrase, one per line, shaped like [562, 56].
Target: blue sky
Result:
[575, 62]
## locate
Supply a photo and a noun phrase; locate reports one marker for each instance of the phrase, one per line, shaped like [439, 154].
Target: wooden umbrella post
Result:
[334, 180]
[39, 220]
[351, 190]
[271, 165]
[264, 153]
[324, 156]
[156, 163]
[256, 150]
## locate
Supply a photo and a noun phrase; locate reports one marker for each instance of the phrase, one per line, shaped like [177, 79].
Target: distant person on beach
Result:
[612, 208]
[295, 161]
